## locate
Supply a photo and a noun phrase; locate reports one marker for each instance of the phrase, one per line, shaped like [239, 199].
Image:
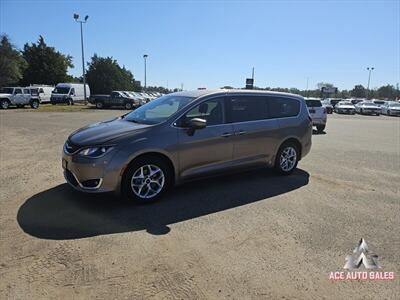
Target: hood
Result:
[104, 132]
[5, 95]
[346, 106]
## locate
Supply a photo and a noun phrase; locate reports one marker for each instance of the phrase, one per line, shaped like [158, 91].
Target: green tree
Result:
[105, 75]
[45, 64]
[12, 63]
[387, 91]
[358, 91]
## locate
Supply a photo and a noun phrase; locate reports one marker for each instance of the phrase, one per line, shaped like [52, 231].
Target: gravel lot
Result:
[245, 236]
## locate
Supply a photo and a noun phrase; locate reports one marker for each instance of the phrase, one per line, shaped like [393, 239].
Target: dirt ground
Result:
[252, 235]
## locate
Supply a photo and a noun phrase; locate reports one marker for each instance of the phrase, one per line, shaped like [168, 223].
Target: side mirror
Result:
[195, 124]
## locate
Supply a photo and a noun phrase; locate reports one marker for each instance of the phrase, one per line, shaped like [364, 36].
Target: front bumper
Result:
[346, 111]
[90, 175]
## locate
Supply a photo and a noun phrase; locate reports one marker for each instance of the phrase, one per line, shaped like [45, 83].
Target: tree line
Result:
[38, 63]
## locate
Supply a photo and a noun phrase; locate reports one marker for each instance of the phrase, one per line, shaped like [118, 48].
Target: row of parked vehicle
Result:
[126, 99]
[318, 109]
[362, 106]
[70, 93]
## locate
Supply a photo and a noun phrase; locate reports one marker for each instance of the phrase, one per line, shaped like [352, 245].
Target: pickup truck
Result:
[116, 98]
[19, 97]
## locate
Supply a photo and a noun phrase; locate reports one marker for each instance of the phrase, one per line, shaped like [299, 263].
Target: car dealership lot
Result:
[250, 235]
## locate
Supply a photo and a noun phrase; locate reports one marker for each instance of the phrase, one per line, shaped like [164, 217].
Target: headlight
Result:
[95, 152]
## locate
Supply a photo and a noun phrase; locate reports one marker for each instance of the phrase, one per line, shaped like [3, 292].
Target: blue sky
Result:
[216, 43]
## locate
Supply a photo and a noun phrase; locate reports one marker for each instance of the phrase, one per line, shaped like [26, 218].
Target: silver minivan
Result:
[186, 135]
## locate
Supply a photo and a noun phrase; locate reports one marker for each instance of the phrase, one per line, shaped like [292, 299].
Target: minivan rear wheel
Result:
[146, 179]
[287, 158]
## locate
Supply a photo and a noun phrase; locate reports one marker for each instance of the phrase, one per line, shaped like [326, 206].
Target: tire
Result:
[128, 105]
[388, 112]
[361, 111]
[136, 189]
[4, 104]
[99, 105]
[34, 104]
[320, 128]
[289, 149]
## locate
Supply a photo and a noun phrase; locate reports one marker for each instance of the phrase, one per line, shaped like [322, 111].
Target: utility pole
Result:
[370, 69]
[145, 71]
[76, 17]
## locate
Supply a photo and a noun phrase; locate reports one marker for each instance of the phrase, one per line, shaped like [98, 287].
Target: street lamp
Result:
[370, 69]
[76, 17]
[145, 79]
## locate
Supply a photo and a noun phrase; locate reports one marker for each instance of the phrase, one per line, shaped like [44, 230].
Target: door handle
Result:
[241, 132]
[226, 134]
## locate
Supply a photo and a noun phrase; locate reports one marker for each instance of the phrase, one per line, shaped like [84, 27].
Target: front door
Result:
[210, 148]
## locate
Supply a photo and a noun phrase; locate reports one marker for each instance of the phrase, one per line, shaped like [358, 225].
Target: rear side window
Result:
[281, 107]
[246, 108]
[313, 103]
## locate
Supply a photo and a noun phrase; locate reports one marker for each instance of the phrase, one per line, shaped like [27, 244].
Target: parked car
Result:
[69, 93]
[333, 101]
[391, 108]
[17, 96]
[116, 98]
[317, 113]
[328, 106]
[380, 103]
[355, 101]
[43, 91]
[367, 108]
[185, 135]
[345, 107]
[137, 97]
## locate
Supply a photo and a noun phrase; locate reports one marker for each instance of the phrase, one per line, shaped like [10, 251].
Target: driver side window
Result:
[211, 110]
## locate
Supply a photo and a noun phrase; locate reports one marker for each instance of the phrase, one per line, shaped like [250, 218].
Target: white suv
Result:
[317, 113]
[17, 96]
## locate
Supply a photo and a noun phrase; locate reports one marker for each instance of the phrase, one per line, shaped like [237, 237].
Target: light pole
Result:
[145, 79]
[370, 69]
[76, 17]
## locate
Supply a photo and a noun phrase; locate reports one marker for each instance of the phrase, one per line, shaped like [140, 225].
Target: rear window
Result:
[313, 103]
[281, 107]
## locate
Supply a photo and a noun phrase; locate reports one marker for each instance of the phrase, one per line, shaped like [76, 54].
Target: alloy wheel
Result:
[288, 159]
[147, 181]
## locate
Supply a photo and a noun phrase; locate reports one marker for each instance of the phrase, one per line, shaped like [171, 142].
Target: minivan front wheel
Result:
[287, 158]
[146, 180]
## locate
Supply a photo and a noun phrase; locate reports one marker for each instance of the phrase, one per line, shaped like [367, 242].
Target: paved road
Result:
[242, 236]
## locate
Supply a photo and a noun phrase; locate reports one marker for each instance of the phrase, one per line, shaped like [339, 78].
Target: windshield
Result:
[394, 104]
[369, 104]
[7, 90]
[313, 103]
[159, 110]
[61, 90]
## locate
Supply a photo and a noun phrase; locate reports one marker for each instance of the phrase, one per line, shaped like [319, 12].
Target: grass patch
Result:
[63, 108]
